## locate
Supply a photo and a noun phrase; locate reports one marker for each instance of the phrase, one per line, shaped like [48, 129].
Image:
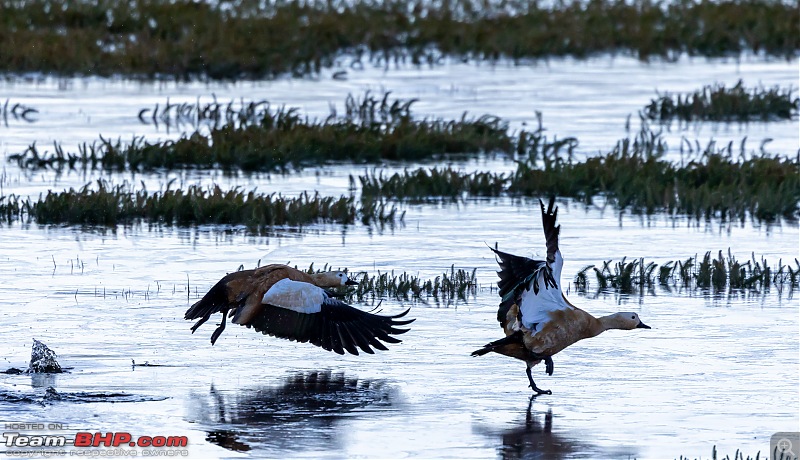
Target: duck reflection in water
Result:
[535, 440]
[302, 412]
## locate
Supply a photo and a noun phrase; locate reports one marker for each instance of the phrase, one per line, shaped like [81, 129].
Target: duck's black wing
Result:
[516, 274]
[337, 327]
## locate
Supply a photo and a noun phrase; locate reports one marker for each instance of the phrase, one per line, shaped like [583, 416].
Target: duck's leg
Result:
[548, 362]
[538, 390]
[220, 328]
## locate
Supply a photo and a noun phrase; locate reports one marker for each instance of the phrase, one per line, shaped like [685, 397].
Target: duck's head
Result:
[333, 279]
[626, 320]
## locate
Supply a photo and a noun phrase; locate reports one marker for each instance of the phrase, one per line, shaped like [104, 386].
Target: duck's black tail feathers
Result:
[213, 302]
[491, 346]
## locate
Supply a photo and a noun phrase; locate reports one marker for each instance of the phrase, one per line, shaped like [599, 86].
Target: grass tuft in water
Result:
[371, 129]
[718, 103]
[434, 183]
[457, 284]
[714, 275]
[739, 455]
[183, 39]
[110, 205]
[213, 114]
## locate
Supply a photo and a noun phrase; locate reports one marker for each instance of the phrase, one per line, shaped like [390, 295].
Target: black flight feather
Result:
[337, 327]
[551, 230]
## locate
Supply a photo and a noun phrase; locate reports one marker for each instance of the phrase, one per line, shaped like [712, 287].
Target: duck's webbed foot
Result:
[533, 386]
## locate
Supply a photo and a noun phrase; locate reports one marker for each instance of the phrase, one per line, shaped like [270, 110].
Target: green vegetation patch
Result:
[247, 39]
[371, 129]
[112, 205]
[718, 103]
[717, 275]
[422, 184]
[718, 183]
[452, 285]
[449, 286]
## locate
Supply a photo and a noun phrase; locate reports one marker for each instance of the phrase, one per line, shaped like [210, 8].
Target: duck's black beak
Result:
[351, 283]
[642, 325]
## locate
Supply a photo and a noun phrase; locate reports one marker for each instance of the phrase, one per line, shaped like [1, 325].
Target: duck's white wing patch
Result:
[535, 308]
[556, 267]
[296, 296]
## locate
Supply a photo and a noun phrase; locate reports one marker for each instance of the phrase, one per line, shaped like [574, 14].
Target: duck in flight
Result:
[537, 319]
[284, 302]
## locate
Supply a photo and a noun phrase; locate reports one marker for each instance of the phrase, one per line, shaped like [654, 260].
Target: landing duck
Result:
[536, 317]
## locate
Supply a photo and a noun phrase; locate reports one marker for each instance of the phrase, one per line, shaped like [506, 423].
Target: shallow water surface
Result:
[713, 370]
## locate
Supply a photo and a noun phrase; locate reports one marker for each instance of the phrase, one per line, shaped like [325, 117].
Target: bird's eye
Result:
[633, 317]
[340, 275]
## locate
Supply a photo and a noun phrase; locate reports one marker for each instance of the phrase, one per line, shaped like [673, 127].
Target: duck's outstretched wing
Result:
[537, 306]
[533, 285]
[517, 274]
[308, 314]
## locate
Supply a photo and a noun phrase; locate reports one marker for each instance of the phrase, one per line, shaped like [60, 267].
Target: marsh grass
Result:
[17, 112]
[457, 284]
[723, 274]
[247, 39]
[434, 183]
[212, 114]
[371, 129]
[450, 286]
[719, 182]
[738, 455]
[10, 208]
[111, 205]
[719, 103]
[532, 147]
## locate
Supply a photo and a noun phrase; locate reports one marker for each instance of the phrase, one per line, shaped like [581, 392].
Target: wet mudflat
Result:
[713, 370]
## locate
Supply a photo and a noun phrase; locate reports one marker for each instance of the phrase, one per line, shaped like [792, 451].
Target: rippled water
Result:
[712, 371]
